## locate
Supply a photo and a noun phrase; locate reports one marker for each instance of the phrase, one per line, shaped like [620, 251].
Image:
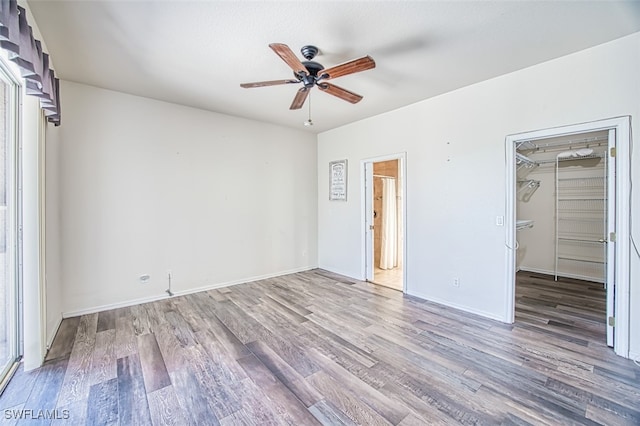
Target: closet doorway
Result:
[567, 215]
[384, 221]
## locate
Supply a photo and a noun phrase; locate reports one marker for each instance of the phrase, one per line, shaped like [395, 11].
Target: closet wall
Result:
[580, 210]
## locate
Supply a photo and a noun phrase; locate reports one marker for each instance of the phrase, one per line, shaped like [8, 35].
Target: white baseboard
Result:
[242, 281]
[634, 356]
[49, 341]
[133, 302]
[345, 274]
[459, 307]
[547, 272]
[536, 270]
[107, 307]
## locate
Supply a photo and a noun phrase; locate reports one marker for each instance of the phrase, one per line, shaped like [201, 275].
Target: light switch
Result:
[499, 220]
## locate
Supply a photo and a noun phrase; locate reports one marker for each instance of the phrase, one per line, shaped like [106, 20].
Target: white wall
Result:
[455, 146]
[148, 186]
[536, 246]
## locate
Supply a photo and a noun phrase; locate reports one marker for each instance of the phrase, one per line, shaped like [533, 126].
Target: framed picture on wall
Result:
[338, 180]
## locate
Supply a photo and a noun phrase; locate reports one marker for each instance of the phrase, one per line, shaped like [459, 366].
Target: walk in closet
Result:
[562, 207]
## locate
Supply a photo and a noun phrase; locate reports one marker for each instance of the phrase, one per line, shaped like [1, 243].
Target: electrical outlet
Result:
[456, 282]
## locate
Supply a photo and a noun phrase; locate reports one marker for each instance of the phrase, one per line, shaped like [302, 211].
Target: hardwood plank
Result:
[240, 417]
[78, 372]
[327, 414]
[64, 339]
[18, 390]
[106, 320]
[421, 410]
[103, 363]
[288, 303]
[87, 328]
[172, 352]
[133, 407]
[193, 398]
[293, 380]
[126, 343]
[217, 354]
[213, 380]
[102, 405]
[288, 408]
[229, 340]
[140, 317]
[608, 417]
[156, 314]
[46, 388]
[284, 311]
[321, 335]
[256, 405]
[372, 397]
[74, 413]
[154, 370]
[293, 353]
[165, 408]
[181, 329]
[627, 413]
[124, 312]
[193, 310]
[348, 403]
[244, 327]
[217, 295]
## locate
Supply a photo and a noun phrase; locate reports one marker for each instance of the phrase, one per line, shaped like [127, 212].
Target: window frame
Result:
[14, 88]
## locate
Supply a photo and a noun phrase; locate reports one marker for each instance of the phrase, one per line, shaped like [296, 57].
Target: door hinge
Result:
[612, 321]
[371, 227]
[612, 237]
[612, 151]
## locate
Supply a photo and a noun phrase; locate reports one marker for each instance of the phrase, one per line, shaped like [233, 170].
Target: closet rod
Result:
[573, 146]
[540, 144]
[562, 160]
[383, 176]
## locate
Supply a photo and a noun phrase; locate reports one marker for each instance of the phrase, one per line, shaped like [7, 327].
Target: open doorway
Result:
[384, 221]
[566, 217]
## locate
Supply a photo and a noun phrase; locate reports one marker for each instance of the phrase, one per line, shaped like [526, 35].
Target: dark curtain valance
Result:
[16, 37]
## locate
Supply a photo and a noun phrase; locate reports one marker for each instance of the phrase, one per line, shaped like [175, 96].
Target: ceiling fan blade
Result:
[268, 83]
[301, 96]
[357, 65]
[289, 57]
[341, 93]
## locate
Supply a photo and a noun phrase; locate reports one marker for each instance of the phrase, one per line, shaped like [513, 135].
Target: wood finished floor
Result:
[317, 348]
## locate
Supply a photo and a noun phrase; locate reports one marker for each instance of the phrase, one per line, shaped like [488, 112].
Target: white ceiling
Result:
[197, 53]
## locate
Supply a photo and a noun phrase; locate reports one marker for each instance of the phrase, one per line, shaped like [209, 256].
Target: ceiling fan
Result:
[311, 73]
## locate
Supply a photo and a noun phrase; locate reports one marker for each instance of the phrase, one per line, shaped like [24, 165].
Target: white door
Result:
[368, 222]
[609, 239]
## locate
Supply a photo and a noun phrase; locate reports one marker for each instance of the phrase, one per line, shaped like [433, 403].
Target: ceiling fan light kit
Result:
[311, 74]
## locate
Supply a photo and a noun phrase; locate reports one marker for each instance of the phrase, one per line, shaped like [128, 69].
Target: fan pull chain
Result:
[309, 122]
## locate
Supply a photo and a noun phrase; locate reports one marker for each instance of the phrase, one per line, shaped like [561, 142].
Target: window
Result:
[9, 222]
